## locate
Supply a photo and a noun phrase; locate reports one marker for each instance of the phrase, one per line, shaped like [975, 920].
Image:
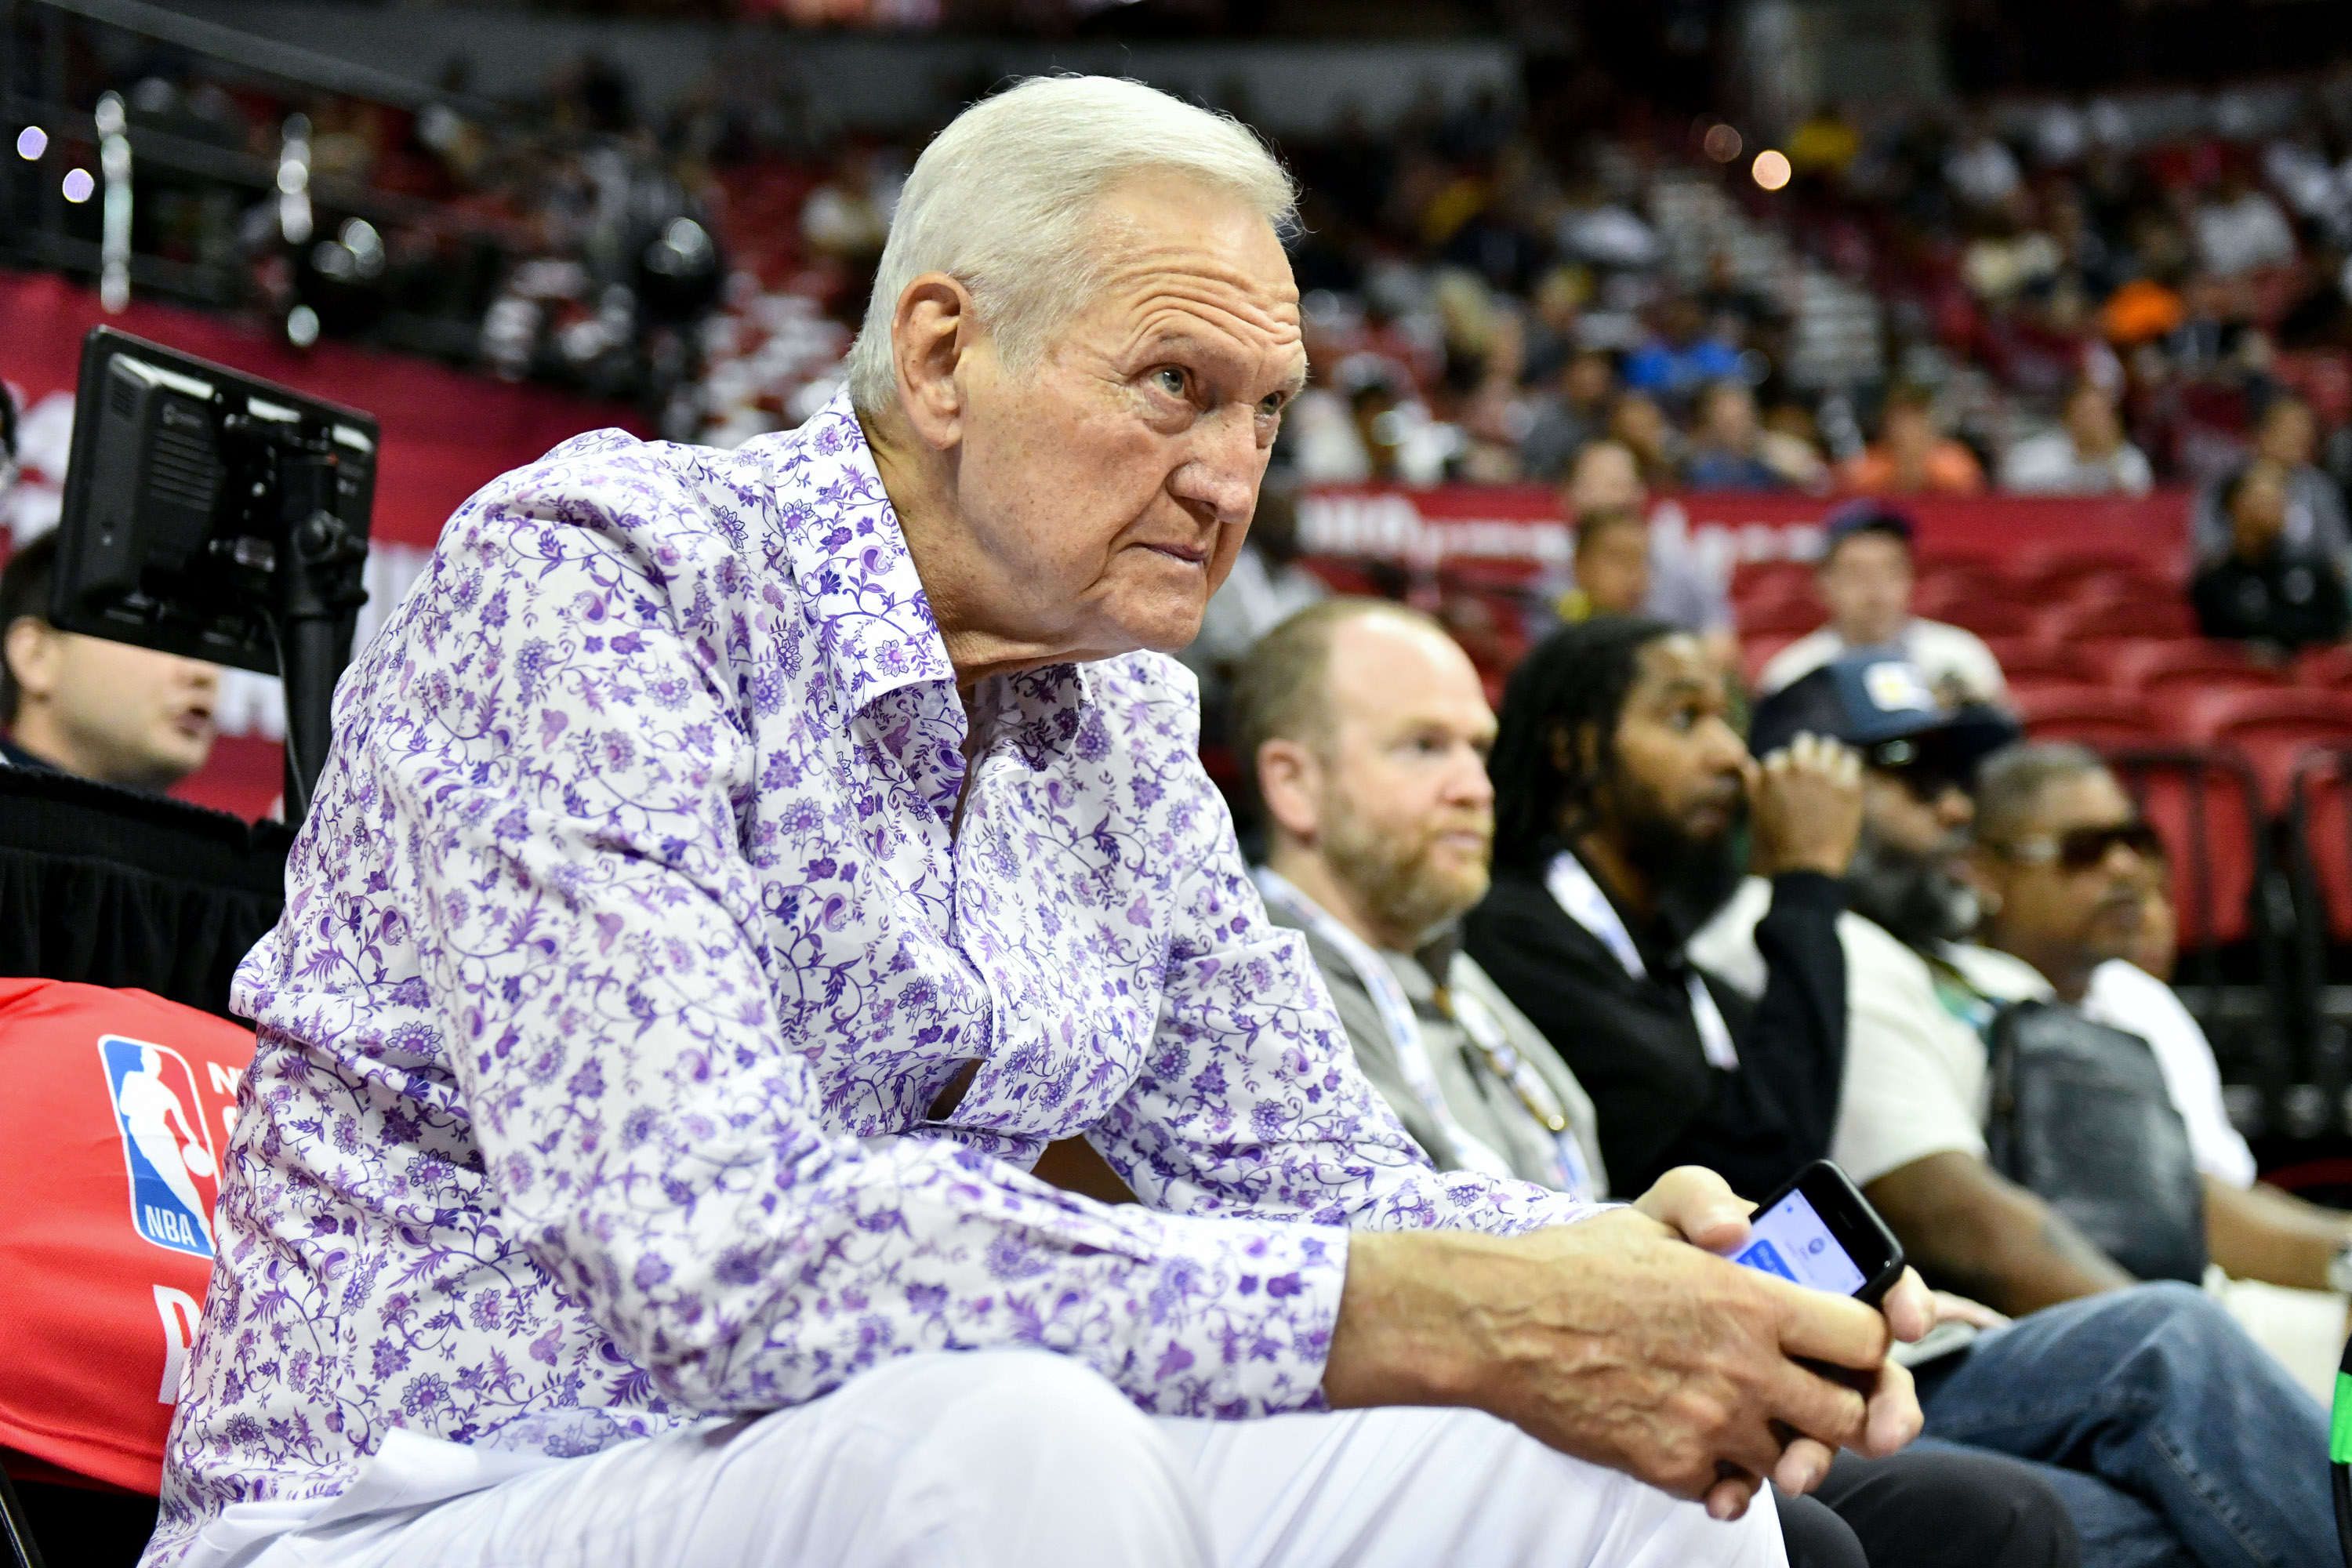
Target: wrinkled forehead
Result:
[1173, 254]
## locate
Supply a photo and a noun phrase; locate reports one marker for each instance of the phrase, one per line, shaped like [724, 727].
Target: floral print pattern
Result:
[634, 937]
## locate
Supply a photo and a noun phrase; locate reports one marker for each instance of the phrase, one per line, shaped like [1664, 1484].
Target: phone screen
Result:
[1789, 1239]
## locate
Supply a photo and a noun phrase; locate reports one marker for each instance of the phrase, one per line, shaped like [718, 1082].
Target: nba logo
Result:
[166, 1147]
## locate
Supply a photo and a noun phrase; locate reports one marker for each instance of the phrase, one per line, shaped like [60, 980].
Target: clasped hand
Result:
[1626, 1339]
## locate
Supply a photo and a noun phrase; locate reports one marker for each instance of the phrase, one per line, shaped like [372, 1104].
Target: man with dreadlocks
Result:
[1619, 788]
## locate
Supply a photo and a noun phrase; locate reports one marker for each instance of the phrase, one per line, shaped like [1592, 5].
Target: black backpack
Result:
[2081, 1118]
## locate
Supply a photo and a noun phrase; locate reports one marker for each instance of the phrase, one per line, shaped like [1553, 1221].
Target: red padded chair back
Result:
[2271, 729]
[1760, 582]
[2092, 715]
[2202, 804]
[2163, 671]
[117, 1121]
[2075, 621]
[1779, 617]
[2025, 659]
[2005, 617]
[2323, 815]
[2328, 667]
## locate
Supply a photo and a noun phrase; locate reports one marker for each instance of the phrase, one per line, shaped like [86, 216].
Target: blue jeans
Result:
[2175, 1439]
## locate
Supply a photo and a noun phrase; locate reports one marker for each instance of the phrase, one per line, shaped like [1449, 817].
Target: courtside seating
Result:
[2203, 803]
[1779, 617]
[2270, 728]
[2093, 715]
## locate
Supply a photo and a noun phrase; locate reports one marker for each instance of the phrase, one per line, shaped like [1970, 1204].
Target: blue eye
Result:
[1171, 380]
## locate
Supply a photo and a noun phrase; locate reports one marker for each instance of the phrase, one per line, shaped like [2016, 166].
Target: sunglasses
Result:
[2083, 848]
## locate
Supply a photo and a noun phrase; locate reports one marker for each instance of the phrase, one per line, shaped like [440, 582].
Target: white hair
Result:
[1000, 201]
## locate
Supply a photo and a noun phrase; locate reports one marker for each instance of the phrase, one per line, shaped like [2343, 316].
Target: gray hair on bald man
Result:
[1000, 201]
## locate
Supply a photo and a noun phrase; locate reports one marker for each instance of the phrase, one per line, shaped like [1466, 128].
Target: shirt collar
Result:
[875, 633]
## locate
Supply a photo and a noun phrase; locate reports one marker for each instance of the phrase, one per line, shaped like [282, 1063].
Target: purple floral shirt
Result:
[632, 939]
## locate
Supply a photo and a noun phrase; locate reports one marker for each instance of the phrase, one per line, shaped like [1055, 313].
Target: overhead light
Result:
[1722, 143]
[301, 326]
[1771, 169]
[31, 143]
[79, 185]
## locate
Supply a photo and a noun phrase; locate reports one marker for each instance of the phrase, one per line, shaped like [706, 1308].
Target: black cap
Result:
[1884, 708]
[1865, 516]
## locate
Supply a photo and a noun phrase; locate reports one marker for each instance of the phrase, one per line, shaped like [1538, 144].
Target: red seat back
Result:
[1759, 582]
[117, 1123]
[2162, 671]
[2323, 815]
[1780, 618]
[2327, 667]
[2025, 659]
[2074, 620]
[1990, 618]
[2093, 715]
[2202, 804]
[2271, 729]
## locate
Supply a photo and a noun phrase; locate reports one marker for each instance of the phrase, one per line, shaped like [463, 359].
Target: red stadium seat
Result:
[1756, 652]
[2118, 587]
[1949, 589]
[2270, 728]
[2162, 671]
[2202, 804]
[2321, 817]
[2053, 572]
[1763, 581]
[2329, 667]
[2075, 621]
[2040, 663]
[2001, 617]
[2093, 715]
[1785, 618]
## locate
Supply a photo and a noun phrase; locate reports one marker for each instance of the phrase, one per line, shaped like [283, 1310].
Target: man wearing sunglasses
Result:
[2143, 1373]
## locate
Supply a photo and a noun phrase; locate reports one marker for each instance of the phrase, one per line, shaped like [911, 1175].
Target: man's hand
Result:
[1805, 801]
[1617, 1340]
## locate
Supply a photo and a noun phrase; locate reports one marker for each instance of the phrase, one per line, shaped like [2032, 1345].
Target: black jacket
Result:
[2277, 599]
[1635, 1044]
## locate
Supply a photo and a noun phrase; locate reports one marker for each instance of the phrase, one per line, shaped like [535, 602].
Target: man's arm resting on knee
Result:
[2264, 1234]
[1617, 1340]
[1970, 1229]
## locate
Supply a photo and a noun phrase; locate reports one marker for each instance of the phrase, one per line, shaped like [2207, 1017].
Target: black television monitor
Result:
[186, 483]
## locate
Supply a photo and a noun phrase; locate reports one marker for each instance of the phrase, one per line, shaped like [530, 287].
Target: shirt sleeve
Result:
[2125, 997]
[1915, 1073]
[565, 774]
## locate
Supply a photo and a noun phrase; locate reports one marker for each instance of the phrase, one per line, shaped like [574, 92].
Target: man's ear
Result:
[1290, 782]
[932, 332]
[30, 647]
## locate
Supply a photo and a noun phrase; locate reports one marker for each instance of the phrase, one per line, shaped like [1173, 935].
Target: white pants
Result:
[1026, 1459]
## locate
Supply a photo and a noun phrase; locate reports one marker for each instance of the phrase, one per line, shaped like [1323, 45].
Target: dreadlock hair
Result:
[1546, 775]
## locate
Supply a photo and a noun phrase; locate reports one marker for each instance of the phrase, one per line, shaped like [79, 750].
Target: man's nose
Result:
[1224, 465]
[1954, 808]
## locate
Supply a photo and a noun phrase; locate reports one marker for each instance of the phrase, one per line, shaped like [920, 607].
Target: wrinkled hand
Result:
[1805, 801]
[1616, 1340]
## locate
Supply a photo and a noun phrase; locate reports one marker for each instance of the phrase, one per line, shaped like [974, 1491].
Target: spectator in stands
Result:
[1681, 355]
[1911, 456]
[1573, 414]
[2087, 454]
[1365, 732]
[2313, 527]
[1606, 478]
[90, 707]
[1726, 451]
[1864, 581]
[1639, 424]
[1909, 1126]
[2240, 229]
[1613, 566]
[1622, 788]
[1267, 585]
[2262, 592]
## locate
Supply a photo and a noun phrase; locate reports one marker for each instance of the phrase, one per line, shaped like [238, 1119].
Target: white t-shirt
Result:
[1916, 1067]
[1948, 656]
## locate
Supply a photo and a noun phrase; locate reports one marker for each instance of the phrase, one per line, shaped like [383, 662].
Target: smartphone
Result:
[1820, 1231]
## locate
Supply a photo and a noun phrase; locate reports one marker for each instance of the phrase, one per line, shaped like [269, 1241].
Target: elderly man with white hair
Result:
[733, 871]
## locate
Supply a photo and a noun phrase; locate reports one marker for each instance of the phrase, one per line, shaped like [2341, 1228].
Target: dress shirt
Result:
[1633, 1041]
[635, 935]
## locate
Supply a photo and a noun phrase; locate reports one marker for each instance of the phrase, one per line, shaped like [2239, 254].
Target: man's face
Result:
[1907, 873]
[1730, 418]
[1606, 478]
[1612, 566]
[2258, 511]
[1678, 759]
[2091, 421]
[107, 710]
[1109, 491]
[2076, 916]
[1589, 379]
[1866, 586]
[1405, 814]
